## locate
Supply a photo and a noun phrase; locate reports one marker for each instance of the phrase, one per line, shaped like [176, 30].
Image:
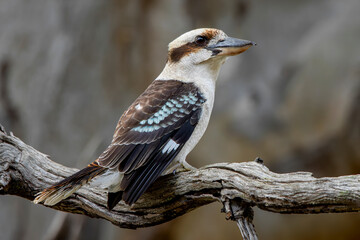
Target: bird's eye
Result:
[201, 40]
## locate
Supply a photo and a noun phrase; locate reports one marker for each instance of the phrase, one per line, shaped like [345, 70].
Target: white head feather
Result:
[190, 63]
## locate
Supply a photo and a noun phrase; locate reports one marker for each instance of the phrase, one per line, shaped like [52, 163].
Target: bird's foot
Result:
[179, 167]
[187, 167]
[184, 167]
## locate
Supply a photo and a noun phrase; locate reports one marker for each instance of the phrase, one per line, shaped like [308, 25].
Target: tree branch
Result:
[24, 171]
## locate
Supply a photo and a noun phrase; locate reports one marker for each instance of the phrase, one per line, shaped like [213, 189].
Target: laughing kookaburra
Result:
[157, 132]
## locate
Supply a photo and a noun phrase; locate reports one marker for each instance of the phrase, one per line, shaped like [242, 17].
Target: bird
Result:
[160, 128]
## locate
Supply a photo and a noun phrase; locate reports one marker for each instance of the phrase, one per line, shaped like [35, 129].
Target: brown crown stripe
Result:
[210, 33]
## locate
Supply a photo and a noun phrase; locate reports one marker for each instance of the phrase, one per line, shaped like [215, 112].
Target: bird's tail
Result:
[66, 187]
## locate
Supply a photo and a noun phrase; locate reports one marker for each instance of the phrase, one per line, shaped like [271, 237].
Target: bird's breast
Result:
[208, 92]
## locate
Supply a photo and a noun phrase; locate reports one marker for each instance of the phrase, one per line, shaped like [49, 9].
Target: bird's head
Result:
[202, 51]
[204, 44]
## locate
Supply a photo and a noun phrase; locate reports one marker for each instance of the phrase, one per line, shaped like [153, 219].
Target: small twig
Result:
[242, 213]
[2, 129]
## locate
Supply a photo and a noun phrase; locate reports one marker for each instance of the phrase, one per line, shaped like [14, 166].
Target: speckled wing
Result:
[151, 133]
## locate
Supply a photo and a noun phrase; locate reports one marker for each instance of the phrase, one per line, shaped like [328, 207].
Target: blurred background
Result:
[68, 69]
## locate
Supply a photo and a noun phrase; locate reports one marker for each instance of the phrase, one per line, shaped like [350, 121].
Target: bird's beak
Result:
[231, 46]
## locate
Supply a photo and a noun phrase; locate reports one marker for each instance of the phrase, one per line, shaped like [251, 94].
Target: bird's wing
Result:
[151, 133]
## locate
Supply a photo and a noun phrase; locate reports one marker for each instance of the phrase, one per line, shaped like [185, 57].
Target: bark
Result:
[25, 171]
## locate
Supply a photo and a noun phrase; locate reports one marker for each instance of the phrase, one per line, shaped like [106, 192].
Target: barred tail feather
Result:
[63, 189]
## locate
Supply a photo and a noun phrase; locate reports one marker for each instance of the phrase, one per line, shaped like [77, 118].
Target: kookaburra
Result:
[156, 133]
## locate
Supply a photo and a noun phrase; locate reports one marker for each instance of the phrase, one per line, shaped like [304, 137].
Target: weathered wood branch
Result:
[24, 171]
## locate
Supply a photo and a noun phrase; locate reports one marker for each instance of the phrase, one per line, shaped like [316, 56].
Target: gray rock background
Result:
[68, 69]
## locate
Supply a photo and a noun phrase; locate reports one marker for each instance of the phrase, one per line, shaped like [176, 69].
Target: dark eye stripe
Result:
[177, 53]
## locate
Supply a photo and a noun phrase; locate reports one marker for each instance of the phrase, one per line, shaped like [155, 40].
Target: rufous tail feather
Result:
[63, 189]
